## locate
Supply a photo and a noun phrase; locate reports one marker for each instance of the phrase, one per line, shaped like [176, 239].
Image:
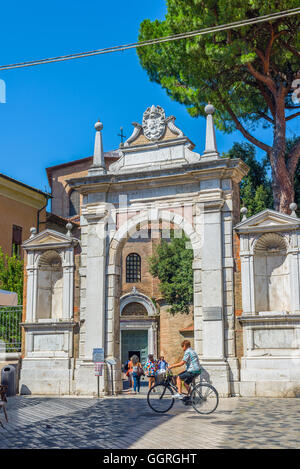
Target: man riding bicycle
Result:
[191, 361]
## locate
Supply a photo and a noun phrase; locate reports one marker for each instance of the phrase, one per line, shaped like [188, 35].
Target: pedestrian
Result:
[129, 374]
[162, 366]
[137, 371]
[151, 368]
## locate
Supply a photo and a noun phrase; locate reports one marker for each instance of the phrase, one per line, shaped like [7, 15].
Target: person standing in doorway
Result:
[151, 368]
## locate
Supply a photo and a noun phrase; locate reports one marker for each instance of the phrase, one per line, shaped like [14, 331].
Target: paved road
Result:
[127, 422]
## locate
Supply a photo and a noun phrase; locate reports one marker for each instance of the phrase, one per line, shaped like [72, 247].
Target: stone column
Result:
[295, 281]
[213, 355]
[247, 275]
[95, 285]
[31, 293]
[197, 306]
[68, 284]
[152, 339]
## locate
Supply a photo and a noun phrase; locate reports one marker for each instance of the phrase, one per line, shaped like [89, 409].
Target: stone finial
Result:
[98, 126]
[33, 232]
[69, 227]
[98, 166]
[293, 208]
[244, 211]
[210, 141]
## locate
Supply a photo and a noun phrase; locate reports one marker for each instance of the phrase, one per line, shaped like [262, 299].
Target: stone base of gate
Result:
[217, 373]
[46, 376]
[270, 377]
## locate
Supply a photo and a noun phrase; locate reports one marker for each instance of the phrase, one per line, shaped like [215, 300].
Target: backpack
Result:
[138, 370]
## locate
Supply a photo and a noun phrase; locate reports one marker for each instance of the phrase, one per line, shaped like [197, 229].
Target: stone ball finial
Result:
[209, 109]
[69, 227]
[98, 126]
[244, 212]
[293, 208]
[33, 231]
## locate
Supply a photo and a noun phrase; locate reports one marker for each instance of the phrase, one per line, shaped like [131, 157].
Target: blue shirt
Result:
[191, 360]
[162, 365]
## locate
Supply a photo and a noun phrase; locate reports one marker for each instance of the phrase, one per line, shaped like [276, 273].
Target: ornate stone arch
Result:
[129, 228]
[137, 297]
[114, 272]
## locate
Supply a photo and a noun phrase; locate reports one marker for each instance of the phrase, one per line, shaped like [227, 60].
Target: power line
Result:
[175, 37]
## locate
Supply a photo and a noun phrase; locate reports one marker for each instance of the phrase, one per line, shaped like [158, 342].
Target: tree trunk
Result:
[282, 179]
[283, 187]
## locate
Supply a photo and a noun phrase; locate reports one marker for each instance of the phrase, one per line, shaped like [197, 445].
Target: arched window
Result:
[133, 268]
[74, 203]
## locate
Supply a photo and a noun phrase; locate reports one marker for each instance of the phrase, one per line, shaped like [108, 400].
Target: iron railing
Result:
[10, 329]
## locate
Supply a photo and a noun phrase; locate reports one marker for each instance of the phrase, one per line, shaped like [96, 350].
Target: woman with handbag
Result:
[137, 371]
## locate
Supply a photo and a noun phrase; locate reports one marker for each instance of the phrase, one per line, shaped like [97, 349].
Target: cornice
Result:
[21, 193]
[221, 168]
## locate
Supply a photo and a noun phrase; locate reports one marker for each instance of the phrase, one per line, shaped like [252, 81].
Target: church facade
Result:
[90, 287]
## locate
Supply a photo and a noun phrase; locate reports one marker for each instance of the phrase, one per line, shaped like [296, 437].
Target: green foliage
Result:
[11, 274]
[214, 67]
[10, 330]
[172, 265]
[256, 187]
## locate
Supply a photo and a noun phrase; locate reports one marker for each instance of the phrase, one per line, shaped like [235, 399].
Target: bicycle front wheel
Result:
[160, 398]
[204, 398]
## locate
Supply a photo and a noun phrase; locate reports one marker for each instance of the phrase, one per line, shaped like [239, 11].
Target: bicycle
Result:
[203, 397]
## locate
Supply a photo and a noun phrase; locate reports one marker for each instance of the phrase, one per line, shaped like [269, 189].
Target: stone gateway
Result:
[91, 287]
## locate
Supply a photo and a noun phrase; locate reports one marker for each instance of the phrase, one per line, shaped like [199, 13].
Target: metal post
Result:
[112, 380]
[98, 386]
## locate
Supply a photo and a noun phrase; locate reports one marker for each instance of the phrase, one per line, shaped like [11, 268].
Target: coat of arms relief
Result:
[154, 123]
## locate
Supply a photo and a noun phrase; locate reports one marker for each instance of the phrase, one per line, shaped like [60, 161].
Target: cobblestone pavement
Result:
[127, 422]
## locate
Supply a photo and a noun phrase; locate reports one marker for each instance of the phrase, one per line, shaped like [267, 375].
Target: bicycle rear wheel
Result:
[160, 398]
[204, 398]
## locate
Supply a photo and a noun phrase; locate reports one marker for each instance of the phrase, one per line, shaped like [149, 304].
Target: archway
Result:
[114, 272]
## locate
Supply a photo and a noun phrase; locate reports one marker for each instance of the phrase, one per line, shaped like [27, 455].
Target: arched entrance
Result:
[138, 327]
[115, 304]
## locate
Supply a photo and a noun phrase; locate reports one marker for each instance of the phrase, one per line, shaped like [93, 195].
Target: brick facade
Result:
[237, 296]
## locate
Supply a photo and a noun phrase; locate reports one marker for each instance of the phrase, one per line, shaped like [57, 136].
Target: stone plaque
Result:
[274, 338]
[48, 342]
[212, 313]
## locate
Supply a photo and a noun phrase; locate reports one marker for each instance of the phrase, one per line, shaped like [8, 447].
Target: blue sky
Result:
[50, 111]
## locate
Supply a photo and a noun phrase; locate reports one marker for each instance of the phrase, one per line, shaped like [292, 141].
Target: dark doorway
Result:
[134, 352]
